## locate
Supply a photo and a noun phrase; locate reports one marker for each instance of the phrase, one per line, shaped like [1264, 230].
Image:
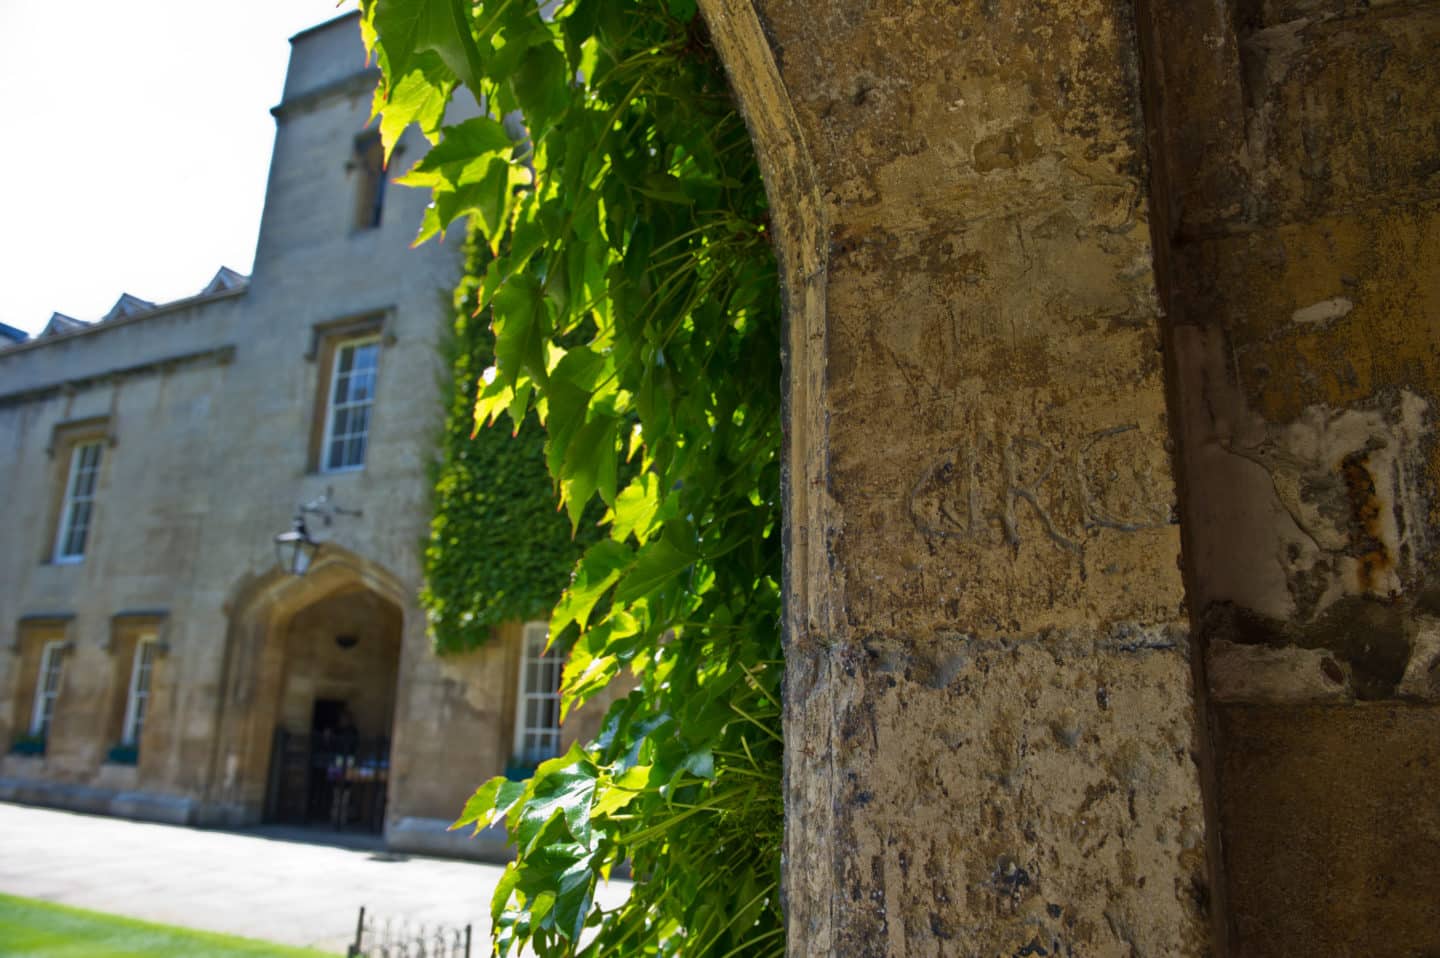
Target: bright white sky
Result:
[136, 145]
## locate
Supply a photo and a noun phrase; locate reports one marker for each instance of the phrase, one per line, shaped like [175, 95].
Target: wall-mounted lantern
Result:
[296, 549]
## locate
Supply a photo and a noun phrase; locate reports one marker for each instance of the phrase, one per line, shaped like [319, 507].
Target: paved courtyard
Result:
[264, 884]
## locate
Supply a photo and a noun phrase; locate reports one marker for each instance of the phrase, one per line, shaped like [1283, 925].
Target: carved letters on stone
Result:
[983, 490]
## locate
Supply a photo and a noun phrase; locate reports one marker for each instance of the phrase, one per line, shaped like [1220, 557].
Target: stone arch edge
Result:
[800, 230]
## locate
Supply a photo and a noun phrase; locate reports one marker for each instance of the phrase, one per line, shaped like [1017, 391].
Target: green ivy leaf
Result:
[658, 563]
[598, 570]
[409, 28]
[636, 508]
[519, 329]
[563, 788]
[633, 297]
[490, 803]
[540, 85]
[462, 146]
[419, 97]
[625, 789]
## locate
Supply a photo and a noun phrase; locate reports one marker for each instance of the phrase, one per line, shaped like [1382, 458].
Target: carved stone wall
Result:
[1040, 260]
[992, 742]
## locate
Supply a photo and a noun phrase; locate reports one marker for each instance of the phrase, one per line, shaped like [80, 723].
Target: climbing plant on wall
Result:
[635, 311]
[498, 549]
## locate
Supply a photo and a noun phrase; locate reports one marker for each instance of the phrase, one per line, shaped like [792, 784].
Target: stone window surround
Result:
[325, 339]
[128, 631]
[65, 438]
[33, 634]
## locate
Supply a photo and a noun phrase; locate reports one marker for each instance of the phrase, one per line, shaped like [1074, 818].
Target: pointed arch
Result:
[259, 609]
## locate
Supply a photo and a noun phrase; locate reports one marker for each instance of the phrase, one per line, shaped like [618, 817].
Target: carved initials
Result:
[981, 490]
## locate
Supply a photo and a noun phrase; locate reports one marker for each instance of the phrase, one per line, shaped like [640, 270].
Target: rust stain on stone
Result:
[1367, 545]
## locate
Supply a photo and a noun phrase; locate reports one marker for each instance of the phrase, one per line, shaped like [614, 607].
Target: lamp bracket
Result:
[324, 507]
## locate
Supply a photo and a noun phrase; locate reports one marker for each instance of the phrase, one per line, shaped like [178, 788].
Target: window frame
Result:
[65, 524]
[331, 408]
[524, 696]
[42, 707]
[142, 664]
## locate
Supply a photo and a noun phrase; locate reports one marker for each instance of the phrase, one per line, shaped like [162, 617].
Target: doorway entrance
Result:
[330, 761]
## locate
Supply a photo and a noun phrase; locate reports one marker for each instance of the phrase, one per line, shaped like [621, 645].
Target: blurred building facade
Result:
[156, 661]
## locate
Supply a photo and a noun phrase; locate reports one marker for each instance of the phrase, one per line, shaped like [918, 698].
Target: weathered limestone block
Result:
[1331, 828]
[992, 742]
[1298, 148]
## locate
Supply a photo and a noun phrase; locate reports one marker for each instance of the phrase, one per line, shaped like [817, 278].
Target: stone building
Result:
[1113, 499]
[155, 660]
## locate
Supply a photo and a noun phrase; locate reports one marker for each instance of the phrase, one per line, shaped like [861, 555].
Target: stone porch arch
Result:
[992, 736]
[258, 610]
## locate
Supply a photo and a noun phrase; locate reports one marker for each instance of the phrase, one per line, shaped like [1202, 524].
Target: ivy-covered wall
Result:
[499, 548]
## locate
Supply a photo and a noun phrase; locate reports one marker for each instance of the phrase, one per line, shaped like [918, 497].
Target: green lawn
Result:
[38, 929]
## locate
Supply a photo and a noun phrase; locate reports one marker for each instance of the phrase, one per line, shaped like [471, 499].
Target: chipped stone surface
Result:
[1421, 680]
[1298, 147]
[1255, 673]
[996, 273]
[1323, 312]
[993, 744]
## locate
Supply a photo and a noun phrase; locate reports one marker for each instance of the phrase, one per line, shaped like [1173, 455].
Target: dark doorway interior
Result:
[330, 775]
[330, 762]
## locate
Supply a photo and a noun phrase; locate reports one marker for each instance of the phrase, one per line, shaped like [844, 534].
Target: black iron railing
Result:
[404, 938]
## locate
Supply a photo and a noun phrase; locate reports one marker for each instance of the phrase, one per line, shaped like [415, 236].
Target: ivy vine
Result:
[498, 550]
[635, 309]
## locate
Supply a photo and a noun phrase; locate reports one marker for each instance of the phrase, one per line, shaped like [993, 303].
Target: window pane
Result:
[75, 510]
[47, 686]
[79, 525]
[538, 714]
[147, 655]
[362, 386]
[351, 396]
[360, 421]
[342, 423]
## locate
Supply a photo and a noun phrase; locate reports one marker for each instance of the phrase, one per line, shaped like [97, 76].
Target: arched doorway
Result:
[330, 760]
[308, 698]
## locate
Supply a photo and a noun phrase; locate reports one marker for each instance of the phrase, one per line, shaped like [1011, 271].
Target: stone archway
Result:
[992, 739]
[330, 759]
[284, 654]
